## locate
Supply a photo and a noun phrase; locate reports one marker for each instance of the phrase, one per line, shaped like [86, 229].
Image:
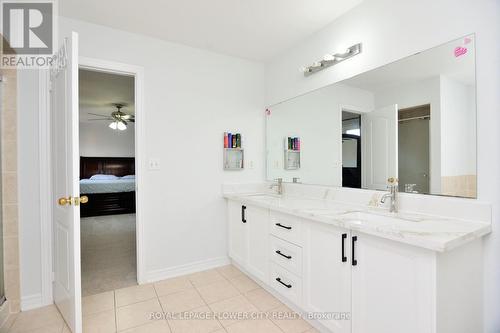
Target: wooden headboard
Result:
[118, 166]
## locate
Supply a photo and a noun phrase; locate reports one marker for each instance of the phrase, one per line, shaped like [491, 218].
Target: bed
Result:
[107, 196]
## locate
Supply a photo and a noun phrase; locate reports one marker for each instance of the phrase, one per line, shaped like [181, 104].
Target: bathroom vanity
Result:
[356, 268]
[329, 247]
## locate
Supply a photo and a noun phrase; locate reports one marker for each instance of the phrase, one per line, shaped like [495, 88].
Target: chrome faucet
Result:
[278, 185]
[392, 185]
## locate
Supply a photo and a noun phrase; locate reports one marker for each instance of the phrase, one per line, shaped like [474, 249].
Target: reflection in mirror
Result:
[414, 119]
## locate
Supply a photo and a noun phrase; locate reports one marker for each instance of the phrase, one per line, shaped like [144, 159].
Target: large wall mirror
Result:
[414, 119]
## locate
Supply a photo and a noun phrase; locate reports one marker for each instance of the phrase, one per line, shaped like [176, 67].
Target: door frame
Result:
[46, 251]
[137, 72]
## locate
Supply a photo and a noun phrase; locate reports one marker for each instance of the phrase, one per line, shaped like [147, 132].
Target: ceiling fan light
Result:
[121, 126]
[113, 125]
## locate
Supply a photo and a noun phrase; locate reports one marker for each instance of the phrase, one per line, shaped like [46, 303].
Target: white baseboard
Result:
[166, 273]
[31, 302]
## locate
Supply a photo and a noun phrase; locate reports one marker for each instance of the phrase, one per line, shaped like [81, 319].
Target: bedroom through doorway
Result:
[107, 178]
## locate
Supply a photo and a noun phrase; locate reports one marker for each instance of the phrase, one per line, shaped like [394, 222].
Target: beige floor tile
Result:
[263, 300]
[66, 329]
[102, 322]
[136, 314]
[243, 283]
[134, 294]
[30, 320]
[229, 271]
[233, 309]
[312, 330]
[205, 277]
[173, 285]
[157, 326]
[98, 303]
[253, 326]
[202, 321]
[217, 291]
[55, 328]
[287, 320]
[182, 301]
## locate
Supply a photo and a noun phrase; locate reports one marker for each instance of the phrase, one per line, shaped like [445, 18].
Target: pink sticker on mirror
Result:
[268, 112]
[467, 40]
[460, 51]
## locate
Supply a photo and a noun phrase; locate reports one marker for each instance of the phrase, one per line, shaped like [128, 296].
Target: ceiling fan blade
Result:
[127, 116]
[96, 114]
[102, 119]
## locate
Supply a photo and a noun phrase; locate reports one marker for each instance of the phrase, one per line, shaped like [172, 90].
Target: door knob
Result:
[83, 199]
[65, 201]
[73, 201]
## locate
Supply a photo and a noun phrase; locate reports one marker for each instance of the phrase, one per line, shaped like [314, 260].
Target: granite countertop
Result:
[434, 233]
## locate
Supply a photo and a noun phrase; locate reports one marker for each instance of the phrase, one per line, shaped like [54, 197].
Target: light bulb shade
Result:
[113, 125]
[121, 126]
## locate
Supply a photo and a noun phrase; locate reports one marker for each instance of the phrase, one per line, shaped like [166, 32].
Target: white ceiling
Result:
[98, 92]
[251, 29]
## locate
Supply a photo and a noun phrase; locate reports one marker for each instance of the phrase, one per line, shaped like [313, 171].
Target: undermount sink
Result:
[380, 219]
[264, 196]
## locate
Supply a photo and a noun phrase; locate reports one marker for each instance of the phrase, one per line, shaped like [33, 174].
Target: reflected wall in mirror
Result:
[414, 119]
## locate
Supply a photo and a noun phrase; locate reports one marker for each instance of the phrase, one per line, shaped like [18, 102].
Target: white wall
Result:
[97, 139]
[29, 186]
[390, 30]
[191, 97]
[316, 119]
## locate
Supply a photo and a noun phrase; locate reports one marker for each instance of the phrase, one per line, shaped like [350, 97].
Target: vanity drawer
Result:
[287, 284]
[286, 254]
[286, 227]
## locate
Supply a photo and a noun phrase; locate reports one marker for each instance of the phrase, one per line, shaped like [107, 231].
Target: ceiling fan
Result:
[118, 118]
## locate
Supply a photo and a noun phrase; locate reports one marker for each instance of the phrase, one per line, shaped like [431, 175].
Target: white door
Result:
[392, 287]
[65, 186]
[258, 245]
[237, 232]
[379, 141]
[327, 275]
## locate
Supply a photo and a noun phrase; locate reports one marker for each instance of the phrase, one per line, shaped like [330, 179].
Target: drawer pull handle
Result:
[283, 283]
[283, 226]
[243, 215]
[344, 258]
[283, 255]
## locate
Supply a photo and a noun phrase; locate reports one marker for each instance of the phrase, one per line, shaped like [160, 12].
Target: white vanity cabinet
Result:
[327, 275]
[237, 231]
[248, 238]
[392, 286]
[353, 282]
[257, 231]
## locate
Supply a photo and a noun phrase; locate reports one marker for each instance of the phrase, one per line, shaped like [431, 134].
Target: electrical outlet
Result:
[154, 164]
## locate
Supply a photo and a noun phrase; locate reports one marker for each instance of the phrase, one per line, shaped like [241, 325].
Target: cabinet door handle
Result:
[344, 258]
[354, 261]
[243, 217]
[283, 283]
[283, 226]
[283, 255]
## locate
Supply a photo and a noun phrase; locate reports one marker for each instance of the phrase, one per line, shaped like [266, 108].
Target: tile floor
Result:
[218, 300]
[108, 252]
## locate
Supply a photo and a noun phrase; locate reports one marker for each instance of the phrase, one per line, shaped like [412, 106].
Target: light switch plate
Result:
[154, 164]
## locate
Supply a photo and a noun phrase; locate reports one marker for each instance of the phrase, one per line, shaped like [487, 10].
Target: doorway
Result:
[414, 149]
[108, 137]
[351, 149]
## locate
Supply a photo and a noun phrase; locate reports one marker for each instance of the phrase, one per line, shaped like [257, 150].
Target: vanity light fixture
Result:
[332, 59]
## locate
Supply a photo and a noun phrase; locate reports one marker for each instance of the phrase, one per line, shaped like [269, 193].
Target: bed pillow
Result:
[103, 177]
[129, 177]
